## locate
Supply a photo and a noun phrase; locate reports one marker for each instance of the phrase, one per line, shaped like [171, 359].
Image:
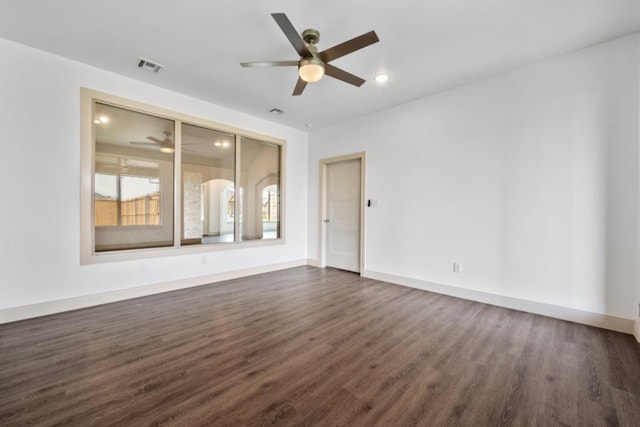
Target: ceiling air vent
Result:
[145, 64]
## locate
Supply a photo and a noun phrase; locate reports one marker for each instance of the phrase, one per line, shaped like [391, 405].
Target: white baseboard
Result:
[51, 307]
[564, 313]
[593, 319]
[313, 262]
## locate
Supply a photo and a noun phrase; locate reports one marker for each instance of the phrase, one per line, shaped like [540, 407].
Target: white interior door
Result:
[342, 215]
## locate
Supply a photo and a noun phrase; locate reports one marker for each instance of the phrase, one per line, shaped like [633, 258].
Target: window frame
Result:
[88, 254]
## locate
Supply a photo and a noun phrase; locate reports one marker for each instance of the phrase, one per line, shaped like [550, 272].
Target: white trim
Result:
[51, 307]
[557, 312]
[637, 330]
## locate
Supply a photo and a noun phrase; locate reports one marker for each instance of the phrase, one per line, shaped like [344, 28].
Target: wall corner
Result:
[636, 329]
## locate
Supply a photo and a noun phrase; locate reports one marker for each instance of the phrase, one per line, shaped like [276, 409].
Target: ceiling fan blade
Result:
[299, 87]
[158, 140]
[340, 74]
[142, 143]
[264, 64]
[349, 46]
[294, 37]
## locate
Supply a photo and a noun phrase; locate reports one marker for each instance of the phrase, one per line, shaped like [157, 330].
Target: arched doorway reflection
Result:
[270, 212]
[218, 213]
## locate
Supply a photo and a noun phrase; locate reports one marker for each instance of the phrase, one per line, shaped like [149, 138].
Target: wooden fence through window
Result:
[144, 210]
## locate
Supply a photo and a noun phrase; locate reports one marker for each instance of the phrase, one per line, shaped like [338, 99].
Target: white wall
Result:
[39, 219]
[528, 179]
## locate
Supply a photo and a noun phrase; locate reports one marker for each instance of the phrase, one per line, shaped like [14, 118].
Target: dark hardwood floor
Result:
[308, 346]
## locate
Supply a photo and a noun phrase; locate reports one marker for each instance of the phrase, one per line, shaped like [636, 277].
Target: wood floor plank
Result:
[309, 346]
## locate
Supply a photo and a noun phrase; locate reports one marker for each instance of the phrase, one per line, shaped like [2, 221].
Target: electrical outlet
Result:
[457, 268]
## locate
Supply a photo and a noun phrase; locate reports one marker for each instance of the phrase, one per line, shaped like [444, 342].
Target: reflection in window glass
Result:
[133, 181]
[270, 204]
[127, 200]
[230, 196]
[208, 185]
[106, 200]
[140, 203]
[260, 183]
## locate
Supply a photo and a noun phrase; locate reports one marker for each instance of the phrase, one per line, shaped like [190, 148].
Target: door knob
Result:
[326, 220]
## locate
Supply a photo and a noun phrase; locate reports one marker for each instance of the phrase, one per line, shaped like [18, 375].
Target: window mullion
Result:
[177, 180]
[237, 208]
[119, 200]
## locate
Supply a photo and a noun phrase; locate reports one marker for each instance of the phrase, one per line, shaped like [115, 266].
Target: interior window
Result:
[152, 179]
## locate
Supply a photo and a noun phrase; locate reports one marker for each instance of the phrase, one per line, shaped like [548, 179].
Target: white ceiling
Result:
[426, 46]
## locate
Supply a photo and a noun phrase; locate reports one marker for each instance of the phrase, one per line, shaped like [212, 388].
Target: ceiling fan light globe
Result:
[168, 150]
[311, 70]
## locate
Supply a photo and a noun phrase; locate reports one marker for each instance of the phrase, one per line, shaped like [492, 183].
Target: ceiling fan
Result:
[165, 145]
[111, 164]
[313, 65]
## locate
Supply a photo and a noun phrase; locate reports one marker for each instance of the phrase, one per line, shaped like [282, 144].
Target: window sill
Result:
[150, 253]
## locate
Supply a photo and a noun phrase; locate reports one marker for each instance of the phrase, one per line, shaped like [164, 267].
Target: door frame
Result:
[322, 237]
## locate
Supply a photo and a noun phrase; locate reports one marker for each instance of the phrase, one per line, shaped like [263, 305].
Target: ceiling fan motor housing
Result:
[311, 36]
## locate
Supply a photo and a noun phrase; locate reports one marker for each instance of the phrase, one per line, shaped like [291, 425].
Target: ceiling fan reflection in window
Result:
[116, 164]
[111, 164]
[313, 65]
[165, 145]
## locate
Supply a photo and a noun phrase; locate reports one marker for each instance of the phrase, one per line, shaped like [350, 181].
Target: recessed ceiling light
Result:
[101, 119]
[381, 78]
[218, 144]
[225, 144]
